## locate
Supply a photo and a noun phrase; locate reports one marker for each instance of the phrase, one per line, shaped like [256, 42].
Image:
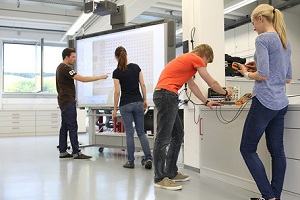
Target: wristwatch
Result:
[225, 93]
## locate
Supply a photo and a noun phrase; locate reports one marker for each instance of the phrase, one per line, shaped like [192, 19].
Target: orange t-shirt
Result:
[179, 71]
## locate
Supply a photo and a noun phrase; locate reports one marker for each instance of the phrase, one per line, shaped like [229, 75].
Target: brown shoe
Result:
[180, 178]
[168, 184]
[82, 156]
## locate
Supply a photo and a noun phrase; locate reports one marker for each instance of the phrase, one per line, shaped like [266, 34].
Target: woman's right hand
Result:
[251, 65]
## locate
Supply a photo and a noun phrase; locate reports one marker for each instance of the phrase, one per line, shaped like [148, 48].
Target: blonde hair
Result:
[273, 16]
[121, 54]
[204, 50]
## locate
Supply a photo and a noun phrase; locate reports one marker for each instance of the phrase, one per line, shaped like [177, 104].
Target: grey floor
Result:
[31, 170]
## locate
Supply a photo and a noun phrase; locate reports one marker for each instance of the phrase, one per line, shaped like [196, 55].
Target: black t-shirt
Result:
[129, 81]
[65, 86]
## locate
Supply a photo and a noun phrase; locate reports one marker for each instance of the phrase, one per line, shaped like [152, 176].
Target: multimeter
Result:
[236, 66]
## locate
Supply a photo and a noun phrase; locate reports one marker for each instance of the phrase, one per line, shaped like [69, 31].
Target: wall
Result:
[241, 41]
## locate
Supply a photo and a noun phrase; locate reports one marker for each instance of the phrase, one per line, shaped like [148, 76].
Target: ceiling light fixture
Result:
[77, 25]
[237, 6]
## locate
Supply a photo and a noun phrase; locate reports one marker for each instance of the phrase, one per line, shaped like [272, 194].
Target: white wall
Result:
[240, 41]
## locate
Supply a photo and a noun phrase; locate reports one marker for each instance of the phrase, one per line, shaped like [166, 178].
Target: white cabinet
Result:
[35, 122]
[293, 88]
[292, 176]
[292, 152]
[229, 42]
[191, 141]
[48, 122]
[17, 123]
[241, 39]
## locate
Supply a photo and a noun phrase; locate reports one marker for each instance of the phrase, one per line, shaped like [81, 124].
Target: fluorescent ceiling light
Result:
[237, 6]
[77, 25]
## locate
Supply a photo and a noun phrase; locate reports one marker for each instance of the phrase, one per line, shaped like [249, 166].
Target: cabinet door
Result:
[252, 36]
[292, 176]
[291, 143]
[191, 140]
[229, 42]
[291, 119]
[241, 39]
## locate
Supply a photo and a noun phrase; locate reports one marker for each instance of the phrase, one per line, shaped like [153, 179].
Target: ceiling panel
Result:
[59, 15]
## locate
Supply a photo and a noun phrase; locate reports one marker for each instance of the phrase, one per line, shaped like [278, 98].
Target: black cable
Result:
[192, 36]
[224, 121]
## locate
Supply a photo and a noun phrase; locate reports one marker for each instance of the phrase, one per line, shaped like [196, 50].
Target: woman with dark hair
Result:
[128, 79]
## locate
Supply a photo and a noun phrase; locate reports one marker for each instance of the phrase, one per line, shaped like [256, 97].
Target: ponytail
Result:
[279, 26]
[276, 17]
[121, 55]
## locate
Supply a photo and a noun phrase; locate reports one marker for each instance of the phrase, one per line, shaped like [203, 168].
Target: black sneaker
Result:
[82, 156]
[66, 156]
[148, 164]
[256, 199]
[129, 165]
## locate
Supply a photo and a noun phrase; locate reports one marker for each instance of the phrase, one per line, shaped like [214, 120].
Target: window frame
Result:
[37, 94]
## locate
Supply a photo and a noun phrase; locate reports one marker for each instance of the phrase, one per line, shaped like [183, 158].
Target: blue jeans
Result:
[68, 123]
[169, 134]
[134, 112]
[259, 120]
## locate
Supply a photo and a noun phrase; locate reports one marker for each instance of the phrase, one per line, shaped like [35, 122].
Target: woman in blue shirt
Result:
[269, 102]
[128, 79]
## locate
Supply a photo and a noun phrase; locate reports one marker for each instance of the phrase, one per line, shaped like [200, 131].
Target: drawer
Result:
[17, 123]
[48, 117]
[16, 113]
[18, 129]
[49, 128]
[106, 140]
[47, 113]
[291, 143]
[292, 119]
[53, 122]
[17, 118]
[292, 176]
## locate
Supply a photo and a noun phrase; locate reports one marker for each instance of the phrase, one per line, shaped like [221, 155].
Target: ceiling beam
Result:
[246, 19]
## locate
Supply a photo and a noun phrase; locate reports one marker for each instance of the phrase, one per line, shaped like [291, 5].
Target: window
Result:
[23, 71]
[52, 58]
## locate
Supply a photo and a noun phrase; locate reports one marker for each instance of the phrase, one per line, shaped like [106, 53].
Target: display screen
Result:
[146, 46]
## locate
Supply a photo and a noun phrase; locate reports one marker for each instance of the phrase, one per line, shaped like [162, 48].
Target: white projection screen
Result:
[150, 45]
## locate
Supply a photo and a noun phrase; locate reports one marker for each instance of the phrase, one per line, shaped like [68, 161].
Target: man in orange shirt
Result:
[169, 129]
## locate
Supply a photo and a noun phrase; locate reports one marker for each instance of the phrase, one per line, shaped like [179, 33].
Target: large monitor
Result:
[150, 45]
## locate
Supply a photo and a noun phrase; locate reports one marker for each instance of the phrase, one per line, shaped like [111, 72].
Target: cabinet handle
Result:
[200, 126]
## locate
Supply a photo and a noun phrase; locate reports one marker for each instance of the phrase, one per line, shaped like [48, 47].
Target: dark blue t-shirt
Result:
[129, 81]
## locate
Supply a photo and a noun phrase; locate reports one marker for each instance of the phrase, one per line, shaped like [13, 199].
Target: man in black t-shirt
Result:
[65, 87]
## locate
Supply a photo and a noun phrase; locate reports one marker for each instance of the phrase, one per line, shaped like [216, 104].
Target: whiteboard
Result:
[147, 46]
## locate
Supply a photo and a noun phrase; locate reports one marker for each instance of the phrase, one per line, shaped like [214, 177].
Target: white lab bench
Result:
[212, 148]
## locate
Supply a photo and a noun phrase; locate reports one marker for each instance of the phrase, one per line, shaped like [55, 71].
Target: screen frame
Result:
[170, 48]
